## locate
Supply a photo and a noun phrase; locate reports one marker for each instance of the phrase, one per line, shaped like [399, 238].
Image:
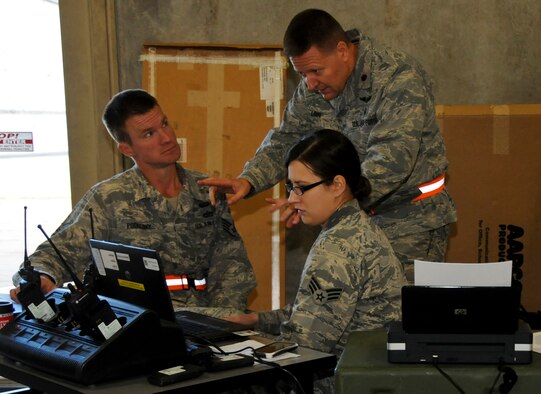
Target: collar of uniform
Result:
[143, 187]
[344, 210]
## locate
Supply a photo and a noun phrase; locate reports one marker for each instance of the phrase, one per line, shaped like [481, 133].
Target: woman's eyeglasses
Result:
[300, 190]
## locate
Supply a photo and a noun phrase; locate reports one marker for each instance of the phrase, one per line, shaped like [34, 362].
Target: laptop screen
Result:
[131, 274]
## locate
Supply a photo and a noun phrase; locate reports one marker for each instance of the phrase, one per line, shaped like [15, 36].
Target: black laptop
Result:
[460, 310]
[135, 275]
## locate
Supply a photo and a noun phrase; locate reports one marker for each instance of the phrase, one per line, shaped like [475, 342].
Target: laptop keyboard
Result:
[202, 326]
[195, 328]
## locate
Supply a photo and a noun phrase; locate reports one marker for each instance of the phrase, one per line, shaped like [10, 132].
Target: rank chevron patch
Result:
[322, 296]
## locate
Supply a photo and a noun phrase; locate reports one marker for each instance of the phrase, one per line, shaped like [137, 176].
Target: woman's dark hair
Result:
[312, 27]
[123, 106]
[329, 153]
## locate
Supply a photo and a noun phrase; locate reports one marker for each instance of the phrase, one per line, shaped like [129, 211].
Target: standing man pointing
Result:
[382, 100]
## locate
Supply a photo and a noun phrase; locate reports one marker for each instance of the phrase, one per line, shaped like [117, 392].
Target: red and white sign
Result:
[15, 141]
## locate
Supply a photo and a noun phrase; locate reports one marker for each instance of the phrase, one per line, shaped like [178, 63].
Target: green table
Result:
[363, 368]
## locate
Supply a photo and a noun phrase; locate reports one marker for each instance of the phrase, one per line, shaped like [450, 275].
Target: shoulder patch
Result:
[322, 296]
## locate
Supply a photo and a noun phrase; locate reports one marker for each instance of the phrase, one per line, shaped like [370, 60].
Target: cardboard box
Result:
[494, 177]
[222, 101]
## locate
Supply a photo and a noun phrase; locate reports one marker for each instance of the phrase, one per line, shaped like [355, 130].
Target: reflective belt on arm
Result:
[184, 282]
[431, 188]
[426, 190]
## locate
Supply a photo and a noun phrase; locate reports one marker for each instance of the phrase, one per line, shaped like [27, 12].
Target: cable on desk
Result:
[445, 375]
[495, 381]
[276, 365]
[259, 359]
[509, 379]
[218, 348]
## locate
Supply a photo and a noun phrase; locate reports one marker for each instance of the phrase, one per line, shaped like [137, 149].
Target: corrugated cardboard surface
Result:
[494, 177]
[221, 108]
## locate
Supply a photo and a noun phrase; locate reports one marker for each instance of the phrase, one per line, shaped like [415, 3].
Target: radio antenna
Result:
[91, 222]
[26, 260]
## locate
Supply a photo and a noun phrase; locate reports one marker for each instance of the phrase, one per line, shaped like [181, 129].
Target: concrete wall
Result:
[478, 52]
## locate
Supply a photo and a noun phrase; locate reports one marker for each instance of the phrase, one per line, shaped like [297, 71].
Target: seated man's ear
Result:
[125, 149]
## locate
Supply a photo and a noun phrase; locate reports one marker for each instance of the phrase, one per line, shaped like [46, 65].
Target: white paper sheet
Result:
[429, 273]
[537, 342]
[238, 346]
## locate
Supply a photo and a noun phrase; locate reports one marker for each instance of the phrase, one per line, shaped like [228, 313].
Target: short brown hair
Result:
[312, 27]
[123, 106]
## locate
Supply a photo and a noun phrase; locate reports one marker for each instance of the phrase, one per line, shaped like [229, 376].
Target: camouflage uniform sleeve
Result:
[231, 277]
[267, 167]
[394, 143]
[326, 299]
[270, 321]
[71, 239]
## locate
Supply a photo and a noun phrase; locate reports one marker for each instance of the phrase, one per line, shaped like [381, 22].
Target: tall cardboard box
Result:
[222, 101]
[494, 177]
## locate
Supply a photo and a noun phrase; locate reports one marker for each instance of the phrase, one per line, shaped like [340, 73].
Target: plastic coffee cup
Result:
[6, 313]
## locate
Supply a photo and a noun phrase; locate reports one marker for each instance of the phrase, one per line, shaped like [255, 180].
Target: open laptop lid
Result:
[465, 310]
[131, 274]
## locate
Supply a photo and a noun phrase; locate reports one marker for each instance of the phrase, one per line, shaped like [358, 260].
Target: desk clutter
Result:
[200, 358]
[89, 337]
[144, 343]
[92, 333]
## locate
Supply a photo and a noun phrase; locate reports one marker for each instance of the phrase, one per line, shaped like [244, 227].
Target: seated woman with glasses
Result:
[351, 279]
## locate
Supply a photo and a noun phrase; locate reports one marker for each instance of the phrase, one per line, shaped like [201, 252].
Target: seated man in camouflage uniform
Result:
[156, 204]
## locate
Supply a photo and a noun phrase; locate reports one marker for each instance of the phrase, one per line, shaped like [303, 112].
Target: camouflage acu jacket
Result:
[351, 281]
[195, 238]
[387, 110]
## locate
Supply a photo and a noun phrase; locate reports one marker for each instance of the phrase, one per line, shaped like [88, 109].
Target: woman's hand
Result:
[289, 214]
[247, 319]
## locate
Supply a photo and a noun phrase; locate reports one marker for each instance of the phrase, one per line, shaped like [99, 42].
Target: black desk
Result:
[302, 367]
[363, 368]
